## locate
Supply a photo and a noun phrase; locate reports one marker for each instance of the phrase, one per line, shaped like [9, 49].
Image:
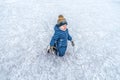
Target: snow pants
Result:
[61, 51]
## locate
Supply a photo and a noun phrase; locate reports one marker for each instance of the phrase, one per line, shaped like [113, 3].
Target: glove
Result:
[51, 48]
[72, 43]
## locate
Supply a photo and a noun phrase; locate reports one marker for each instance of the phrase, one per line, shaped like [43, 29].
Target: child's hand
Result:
[51, 48]
[72, 43]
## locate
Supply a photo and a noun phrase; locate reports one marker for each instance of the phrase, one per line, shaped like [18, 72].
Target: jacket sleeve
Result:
[54, 38]
[69, 37]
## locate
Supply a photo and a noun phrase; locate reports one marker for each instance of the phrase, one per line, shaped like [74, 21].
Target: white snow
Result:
[26, 27]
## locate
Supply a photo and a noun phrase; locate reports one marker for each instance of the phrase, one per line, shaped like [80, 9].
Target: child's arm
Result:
[54, 38]
[69, 37]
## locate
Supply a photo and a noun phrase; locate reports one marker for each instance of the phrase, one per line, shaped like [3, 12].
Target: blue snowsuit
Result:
[59, 40]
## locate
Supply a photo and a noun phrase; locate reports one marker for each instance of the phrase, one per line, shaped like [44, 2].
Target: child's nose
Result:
[64, 25]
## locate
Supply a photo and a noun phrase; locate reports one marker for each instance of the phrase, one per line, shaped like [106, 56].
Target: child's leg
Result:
[61, 51]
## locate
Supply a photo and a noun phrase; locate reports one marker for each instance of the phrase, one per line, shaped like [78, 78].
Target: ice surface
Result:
[26, 27]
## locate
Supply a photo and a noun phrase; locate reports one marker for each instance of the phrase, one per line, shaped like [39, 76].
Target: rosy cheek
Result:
[62, 27]
[65, 27]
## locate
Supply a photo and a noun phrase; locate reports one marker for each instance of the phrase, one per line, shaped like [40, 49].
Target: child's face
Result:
[63, 27]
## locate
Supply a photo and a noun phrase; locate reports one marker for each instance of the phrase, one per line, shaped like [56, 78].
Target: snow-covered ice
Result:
[26, 27]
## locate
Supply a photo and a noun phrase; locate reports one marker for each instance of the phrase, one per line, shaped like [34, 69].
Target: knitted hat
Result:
[61, 20]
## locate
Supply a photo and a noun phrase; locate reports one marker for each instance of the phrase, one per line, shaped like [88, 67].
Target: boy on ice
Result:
[58, 43]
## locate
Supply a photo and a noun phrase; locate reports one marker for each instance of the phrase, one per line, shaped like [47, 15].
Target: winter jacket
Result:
[60, 37]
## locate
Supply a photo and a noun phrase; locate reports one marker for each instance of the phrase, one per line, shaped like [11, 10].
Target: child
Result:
[58, 42]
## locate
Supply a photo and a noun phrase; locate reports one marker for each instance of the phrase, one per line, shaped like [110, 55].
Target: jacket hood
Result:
[56, 27]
